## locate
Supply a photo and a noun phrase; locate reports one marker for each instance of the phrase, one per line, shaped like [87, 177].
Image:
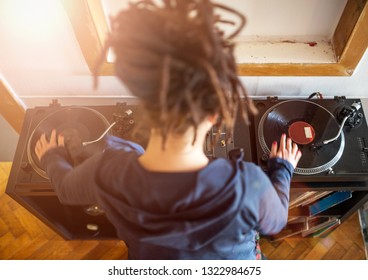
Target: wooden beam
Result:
[11, 107]
[357, 43]
[291, 69]
[345, 27]
[90, 33]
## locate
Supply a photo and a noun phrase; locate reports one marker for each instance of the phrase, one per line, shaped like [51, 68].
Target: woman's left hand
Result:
[43, 145]
[287, 150]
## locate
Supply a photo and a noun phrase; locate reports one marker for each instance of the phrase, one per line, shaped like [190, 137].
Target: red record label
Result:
[301, 132]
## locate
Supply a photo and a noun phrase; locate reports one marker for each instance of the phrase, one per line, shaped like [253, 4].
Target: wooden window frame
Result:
[350, 41]
[11, 107]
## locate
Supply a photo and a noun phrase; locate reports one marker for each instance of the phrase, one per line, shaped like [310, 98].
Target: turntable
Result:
[332, 135]
[81, 126]
[77, 124]
[330, 181]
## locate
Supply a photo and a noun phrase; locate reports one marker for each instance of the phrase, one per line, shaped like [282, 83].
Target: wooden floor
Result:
[23, 236]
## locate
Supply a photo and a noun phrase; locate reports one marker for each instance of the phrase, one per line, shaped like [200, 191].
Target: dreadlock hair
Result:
[179, 64]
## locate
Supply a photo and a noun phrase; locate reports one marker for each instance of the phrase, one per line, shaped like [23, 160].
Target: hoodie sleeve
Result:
[274, 202]
[78, 185]
[266, 200]
[73, 185]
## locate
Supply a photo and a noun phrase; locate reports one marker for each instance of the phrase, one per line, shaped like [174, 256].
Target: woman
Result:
[170, 201]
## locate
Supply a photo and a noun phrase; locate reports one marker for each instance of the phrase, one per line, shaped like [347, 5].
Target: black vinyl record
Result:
[77, 125]
[308, 124]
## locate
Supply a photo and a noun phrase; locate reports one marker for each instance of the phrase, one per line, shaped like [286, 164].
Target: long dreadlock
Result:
[176, 60]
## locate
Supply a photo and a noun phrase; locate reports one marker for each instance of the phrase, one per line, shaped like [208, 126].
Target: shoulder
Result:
[222, 166]
[115, 168]
[120, 150]
[252, 171]
[117, 143]
[227, 172]
[116, 159]
[256, 181]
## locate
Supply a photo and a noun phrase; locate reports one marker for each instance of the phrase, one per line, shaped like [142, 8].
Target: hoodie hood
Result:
[163, 208]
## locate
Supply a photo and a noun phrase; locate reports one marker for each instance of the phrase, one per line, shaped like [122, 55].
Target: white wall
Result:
[8, 141]
[350, 86]
[272, 18]
[353, 86]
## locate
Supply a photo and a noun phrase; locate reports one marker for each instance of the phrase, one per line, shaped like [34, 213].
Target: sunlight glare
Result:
[31, 17]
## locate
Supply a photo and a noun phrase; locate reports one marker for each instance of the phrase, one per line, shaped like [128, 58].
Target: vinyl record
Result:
[77, 125]
[307, 124]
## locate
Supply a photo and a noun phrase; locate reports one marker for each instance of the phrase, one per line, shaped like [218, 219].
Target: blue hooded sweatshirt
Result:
[212, 213]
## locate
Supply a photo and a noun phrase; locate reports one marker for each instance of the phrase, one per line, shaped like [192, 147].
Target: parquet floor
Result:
[344, 243]
[23, 236]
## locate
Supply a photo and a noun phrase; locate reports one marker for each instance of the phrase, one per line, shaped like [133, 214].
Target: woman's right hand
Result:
[287, 150]
[43, 145]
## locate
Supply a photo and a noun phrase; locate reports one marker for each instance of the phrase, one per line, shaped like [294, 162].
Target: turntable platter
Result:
[77, 125]
[306, 123]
